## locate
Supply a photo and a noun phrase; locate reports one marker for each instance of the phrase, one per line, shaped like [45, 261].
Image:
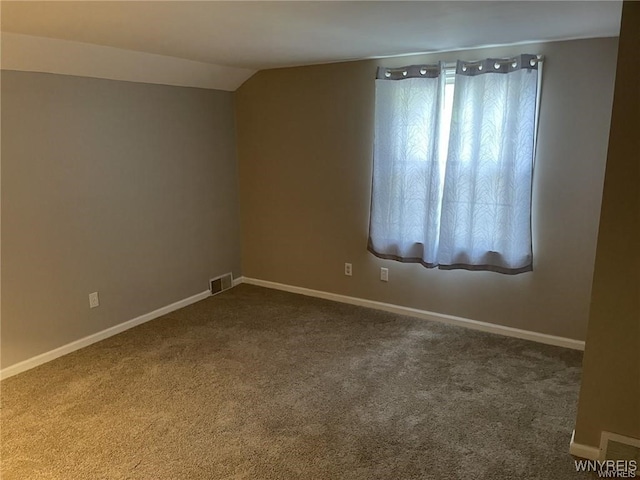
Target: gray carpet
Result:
[261, 384]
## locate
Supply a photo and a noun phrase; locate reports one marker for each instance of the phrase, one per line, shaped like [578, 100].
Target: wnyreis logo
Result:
[608, 468]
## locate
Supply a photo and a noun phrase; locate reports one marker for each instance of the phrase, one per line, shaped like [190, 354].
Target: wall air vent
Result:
[624, 451]
[221, 283]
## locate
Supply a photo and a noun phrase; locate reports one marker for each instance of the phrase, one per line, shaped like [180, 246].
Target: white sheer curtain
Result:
[472, 209]
[407, 177]
[486, 207]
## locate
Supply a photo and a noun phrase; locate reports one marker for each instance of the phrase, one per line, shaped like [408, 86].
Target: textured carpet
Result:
[261, 384]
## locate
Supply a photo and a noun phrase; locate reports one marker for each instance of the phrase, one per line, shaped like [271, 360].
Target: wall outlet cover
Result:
[384, 274]
[94, 301]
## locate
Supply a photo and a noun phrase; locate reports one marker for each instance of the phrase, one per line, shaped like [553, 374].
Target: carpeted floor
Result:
[261, 384]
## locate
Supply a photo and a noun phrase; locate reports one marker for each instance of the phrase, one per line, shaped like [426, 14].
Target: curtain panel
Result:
[407, 178]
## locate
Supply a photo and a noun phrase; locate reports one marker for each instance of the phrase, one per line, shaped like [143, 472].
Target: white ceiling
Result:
[259, 35]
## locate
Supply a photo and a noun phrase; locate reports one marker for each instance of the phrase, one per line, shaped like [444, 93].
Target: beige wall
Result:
[305, 158]
[122, 188]
[610, 392]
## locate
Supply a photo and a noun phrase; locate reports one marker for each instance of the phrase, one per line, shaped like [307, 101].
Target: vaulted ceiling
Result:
[264, 34]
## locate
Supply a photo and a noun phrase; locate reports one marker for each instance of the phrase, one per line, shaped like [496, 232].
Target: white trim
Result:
[423, 314]
[583, 451]
[96, 337]
[28, 53]
[426, 315]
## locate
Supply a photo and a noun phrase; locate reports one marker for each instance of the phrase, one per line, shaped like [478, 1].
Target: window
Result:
[453, 161]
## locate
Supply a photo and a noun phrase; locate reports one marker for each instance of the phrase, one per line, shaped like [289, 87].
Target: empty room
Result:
[320, 240]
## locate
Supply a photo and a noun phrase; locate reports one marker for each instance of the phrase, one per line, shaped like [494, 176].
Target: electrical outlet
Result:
[93, 300]
[384, 274]
[347, 269]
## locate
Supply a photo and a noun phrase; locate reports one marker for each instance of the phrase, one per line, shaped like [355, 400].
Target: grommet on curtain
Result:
[404, 73]
[387, 73]
[533, 61]
[464, 68]
[514, 64]
[480, 67]
[423, 71]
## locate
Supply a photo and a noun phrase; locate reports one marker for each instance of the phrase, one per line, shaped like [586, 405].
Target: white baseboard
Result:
[438, 317]
[583, 451]
[96, 337]
[423, 314]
